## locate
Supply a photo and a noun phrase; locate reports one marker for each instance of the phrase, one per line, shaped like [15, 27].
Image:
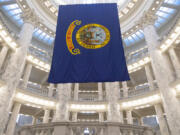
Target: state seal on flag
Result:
[93, 36]
[90, 36]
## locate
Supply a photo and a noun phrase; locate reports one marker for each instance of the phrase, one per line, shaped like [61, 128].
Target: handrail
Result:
[95, 128]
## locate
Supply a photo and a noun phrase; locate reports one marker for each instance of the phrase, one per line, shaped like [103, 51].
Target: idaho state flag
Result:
[88, 45]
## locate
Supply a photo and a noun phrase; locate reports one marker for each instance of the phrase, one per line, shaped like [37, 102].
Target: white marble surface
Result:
[12, 121]
[27, 74]
[112, 95]
[13, 73]
[64, 95]
[162, 75]
[149, 76]
[175, 61]
[162, 122]
[3, 54]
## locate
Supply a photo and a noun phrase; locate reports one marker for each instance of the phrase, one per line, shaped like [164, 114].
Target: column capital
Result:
[148, 18]
[29, 16]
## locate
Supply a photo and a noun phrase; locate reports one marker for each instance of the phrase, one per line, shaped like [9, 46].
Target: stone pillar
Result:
[162, 122]
[15, 67]
[129, 117]
[121, 118]
[46, 116]
[12, 122]
[100, 91]
[112, 95]
[34, 120]
[160, 68]
[112, 92]
[149, 77]
[54, 116]
[76, 91]
[51, 90]
[175, 61]
[3, 54]
[141, 121]
[64, 94]
[74, 116]
[27, 74]
[125, 89]
[76, 96]
[101, 116]
[170, 70]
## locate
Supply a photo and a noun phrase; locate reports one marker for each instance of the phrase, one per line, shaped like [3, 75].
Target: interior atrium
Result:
[148, 104]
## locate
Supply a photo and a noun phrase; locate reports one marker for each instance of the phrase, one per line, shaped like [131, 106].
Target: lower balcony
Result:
[85, 128]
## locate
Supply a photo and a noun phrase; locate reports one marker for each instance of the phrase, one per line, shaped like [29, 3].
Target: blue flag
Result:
[88, 45]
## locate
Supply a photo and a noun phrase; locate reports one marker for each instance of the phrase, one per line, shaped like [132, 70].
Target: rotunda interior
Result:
[148, 104]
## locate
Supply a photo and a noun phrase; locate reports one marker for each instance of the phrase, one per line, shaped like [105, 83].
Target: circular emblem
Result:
[93, 36]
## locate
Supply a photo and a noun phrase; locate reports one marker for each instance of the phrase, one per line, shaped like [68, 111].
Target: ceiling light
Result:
[125, 10]
[157, 2]
[130, 5]
[177, 29]
[4, 33]
[13, 45]
[8, 39]
[178, 87]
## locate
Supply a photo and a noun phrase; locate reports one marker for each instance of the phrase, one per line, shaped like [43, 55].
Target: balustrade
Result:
[44, 56]
[43, 91]
[83, 128]
[137, 56]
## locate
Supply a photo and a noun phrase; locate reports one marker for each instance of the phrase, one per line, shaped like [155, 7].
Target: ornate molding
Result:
[148, 18]
[29, 16]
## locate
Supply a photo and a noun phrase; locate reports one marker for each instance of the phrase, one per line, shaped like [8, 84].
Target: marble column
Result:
[149, 77]
[64, 94]
[160, 68]
[27, 74]
[76, 91]
[46, 111]
[46, 116]
[76, 96]
[12, 122]
[74, 116]
[100, 92]
[51, 90]
[112, 93]
[101, 116]
[121, 118]
[141, 121]
[162, 122]
[34, 120]
[125, 89]
[170, 69]
[14, 69]
[129, 117]
[175, 61]
[3, 55]
[54, 116]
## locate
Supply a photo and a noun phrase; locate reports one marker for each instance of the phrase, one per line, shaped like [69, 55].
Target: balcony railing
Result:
[85, 128]
[138, 91]
[42, 91]
[137, 56]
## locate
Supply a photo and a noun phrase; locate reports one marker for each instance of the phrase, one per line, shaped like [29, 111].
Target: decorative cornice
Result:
[148, 18]
[29, 16]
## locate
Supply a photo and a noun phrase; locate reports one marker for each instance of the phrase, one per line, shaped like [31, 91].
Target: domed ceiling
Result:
[65, 2]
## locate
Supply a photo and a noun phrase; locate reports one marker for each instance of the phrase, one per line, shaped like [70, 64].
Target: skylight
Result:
[65, 2]
[13, 12]
[42, 36]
